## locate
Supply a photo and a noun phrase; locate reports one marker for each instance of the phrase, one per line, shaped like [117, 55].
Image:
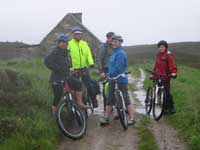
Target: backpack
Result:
[167, 62]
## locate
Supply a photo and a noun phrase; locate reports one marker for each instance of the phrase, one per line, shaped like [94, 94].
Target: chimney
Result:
[78, 16]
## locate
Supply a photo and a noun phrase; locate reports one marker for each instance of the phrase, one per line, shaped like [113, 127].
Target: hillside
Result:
[187, 53]
[10, 50]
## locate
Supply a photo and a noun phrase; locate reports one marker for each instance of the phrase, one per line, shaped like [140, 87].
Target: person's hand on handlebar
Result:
[92, 66]
[102, 75]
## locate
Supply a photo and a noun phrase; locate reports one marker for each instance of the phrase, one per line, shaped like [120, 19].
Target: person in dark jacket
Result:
[59, 63]
[102, 59]
[118, 65]
[103, 55]
[165, 64]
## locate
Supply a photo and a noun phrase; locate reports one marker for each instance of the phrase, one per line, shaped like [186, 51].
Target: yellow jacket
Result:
[80, 54]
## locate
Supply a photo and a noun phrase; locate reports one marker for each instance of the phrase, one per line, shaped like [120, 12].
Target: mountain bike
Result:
[156, 96]
[70, 118]
[119, 100]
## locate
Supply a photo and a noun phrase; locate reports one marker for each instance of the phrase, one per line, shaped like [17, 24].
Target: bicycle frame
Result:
[116, 88]
[157, 86]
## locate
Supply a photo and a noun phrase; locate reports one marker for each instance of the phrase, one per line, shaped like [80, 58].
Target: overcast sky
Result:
[138, 21]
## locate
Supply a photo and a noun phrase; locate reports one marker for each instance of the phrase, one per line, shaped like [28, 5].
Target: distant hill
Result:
[187, 53]
[12, 44]
[9, 50]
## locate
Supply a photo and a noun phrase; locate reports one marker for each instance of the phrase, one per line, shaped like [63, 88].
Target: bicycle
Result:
[70, 118]
[120, 103]
[156, 97]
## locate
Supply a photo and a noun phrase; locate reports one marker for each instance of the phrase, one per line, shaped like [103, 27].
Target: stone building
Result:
[65, 26]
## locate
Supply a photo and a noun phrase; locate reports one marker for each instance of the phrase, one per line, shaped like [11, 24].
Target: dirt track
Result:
[112, 137]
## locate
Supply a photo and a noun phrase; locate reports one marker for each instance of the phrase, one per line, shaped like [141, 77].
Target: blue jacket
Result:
[118, 64]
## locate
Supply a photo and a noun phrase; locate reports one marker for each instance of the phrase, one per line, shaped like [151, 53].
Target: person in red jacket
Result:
[165, 64]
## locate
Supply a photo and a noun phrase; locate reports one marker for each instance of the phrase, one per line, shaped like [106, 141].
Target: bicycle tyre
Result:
[162, 95]
[121, 109]
[149, 100]
[80, 117]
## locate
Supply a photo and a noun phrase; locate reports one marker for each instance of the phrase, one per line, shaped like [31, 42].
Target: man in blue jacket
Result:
[118, 65]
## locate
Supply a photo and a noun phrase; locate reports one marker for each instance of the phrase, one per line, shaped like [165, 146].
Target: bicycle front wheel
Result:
[158, 104]
[71, 120]
[149, 100]
[121, 109]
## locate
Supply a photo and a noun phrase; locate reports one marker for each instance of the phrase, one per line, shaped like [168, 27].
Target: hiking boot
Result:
[104, 121]
[172, 111]
[95, 105]
[165, 112]
[131, 121]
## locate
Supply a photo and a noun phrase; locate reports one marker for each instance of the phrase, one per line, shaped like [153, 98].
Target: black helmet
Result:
[110, 34]
[164, 43]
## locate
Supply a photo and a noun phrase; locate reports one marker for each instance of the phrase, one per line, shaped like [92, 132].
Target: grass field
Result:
[26, 121]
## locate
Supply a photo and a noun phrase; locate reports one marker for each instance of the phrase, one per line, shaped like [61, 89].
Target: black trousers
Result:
[57, 92]
[169, 97]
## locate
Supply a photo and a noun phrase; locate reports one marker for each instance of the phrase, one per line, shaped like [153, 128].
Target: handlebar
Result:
[158, 74]
[79, 71]
[118, 76]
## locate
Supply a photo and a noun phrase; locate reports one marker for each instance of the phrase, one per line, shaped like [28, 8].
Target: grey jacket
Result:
[103, 55]
[58, 62]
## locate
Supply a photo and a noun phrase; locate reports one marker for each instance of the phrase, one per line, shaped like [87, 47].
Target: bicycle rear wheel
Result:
[149, 100]
[121, 109]
[71, 120]
[158, 104]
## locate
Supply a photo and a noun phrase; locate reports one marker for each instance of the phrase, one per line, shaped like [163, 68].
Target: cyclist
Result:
[117, 65]
[165, 64]
[81, 57]
[102, 58]
[59, 63]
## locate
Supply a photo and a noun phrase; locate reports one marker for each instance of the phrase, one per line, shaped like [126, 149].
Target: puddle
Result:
[139, 93]
[100, 110]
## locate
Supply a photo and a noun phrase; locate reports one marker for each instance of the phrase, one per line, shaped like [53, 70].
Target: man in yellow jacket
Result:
[81, 58]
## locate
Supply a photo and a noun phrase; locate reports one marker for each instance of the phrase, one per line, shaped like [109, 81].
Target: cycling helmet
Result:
[77, 30]
[121, 39]
[63, 37]
[115, 37]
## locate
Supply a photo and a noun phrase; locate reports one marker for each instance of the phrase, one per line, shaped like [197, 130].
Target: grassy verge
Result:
[146, 138]
[185, 90]
[25, 118]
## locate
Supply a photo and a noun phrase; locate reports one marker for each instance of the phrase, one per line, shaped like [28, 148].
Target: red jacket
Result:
[165, 64]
